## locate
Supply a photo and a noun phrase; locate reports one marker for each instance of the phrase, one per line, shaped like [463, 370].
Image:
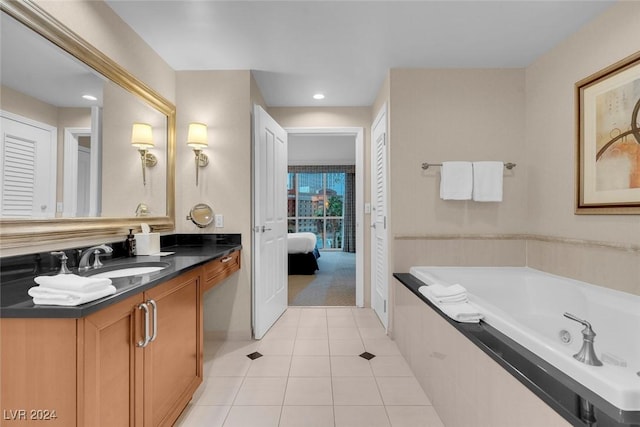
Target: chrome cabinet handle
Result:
[145, 342]
[226, 259]
[154, 335]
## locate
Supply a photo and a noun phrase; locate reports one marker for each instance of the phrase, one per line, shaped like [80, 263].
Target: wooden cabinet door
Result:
[111, 368]
[38, 371]
[173, 360]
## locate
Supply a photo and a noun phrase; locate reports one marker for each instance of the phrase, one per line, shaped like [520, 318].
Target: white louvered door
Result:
[28, 160]
[379, 234]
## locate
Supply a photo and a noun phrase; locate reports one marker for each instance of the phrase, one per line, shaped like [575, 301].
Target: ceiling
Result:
[345, 48]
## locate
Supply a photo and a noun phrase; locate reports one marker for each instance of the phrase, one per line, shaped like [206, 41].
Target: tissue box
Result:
[147, 243]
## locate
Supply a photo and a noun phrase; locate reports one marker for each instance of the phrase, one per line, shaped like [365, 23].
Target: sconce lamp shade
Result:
[197, 136]
[141, 136]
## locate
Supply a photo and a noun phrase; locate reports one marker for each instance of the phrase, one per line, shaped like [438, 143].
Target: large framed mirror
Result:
[68, 166]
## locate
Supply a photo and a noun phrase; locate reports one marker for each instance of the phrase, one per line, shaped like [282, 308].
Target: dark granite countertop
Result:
[550, 384]
[190, 251]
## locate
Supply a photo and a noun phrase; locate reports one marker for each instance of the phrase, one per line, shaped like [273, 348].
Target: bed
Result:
[303, 253]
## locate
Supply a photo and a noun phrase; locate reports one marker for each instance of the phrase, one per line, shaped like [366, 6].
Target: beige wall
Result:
[439, 115]
[222, 100]
[550, 136]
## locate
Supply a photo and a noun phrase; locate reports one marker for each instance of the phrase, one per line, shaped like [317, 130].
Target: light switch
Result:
[219, 220]
[59, 207]
[367, 208]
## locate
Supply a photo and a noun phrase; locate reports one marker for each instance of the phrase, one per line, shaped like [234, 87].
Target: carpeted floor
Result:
[333, 285]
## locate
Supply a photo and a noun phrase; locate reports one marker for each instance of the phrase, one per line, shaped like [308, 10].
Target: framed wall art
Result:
[608, 140]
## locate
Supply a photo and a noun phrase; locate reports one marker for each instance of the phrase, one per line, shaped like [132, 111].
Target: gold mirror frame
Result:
[20, 233]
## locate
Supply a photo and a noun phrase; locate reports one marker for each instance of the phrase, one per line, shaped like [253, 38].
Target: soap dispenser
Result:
[130, 244]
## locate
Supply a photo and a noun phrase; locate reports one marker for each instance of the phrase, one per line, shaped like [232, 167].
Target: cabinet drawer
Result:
[219, 269]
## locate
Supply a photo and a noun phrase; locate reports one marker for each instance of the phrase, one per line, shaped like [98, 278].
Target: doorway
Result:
[325, 200]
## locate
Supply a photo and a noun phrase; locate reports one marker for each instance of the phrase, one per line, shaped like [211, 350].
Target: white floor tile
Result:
[345, 347]
[413, 416]
[230, 365]
[344, 334]
[381, 347]
[261, 391]
[270, 366]
[308, 391]
[311, 348]
[310, 366]
[312, 333]
[253, 416]
[349, 391]
[350, 366]
[276, 346]
[361, 416]
[307, 416]
[310, 375]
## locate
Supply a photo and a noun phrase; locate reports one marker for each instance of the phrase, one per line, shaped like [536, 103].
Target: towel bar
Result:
[426, 166]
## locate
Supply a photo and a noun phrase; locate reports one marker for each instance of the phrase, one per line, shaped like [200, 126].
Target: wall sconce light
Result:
[197, 139]
[142, 139]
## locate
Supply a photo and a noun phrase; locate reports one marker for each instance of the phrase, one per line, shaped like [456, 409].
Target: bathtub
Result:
[527, 305]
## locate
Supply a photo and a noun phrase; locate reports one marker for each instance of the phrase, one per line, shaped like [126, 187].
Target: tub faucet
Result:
[83, 265]
[586, 354]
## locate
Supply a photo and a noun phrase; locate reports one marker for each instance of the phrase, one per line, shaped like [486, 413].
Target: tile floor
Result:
[310, 375]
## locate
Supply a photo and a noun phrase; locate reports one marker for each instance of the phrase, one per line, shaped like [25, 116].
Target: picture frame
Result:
[608, 140]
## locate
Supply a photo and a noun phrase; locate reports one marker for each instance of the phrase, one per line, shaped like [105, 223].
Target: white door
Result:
[28, 163]
[379, 239]
[269, 282]
[84, 179]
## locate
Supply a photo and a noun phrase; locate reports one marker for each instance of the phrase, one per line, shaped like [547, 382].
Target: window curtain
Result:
[349, 224]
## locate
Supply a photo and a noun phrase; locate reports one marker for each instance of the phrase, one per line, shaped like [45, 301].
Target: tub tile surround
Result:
[297, 383]
[615, 266]
[499, 381]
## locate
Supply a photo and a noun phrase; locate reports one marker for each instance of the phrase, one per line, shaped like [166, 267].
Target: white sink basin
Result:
[138, 269]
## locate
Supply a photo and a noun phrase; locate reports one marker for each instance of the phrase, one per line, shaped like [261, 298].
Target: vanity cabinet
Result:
[219, 269]
[134, 363]
[142, 357]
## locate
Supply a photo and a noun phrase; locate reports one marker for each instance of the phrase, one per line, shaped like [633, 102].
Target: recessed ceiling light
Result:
[318, 96]
[90, 97]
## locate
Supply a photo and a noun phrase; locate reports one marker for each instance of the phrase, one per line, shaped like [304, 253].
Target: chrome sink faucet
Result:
[586, 354]
[83, 265]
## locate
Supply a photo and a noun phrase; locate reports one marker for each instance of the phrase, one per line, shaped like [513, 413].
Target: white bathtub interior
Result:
[528, 305]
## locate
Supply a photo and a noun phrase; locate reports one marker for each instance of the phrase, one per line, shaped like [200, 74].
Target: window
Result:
[316, 205]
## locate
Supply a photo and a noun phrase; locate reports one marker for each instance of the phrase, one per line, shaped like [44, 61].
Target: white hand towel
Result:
[487, 181]
[46, 296]
[72, 282]
[462, 312]
[456, 181]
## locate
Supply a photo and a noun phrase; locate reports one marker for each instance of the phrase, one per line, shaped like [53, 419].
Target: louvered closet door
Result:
[379, 239]
[28, 178]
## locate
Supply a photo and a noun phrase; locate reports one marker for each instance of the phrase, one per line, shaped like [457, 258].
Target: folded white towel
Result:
[456, 181]
[462, 312]
[487, 181]
[440, 291]
[439, 294]
[72, 282]
[47, 296]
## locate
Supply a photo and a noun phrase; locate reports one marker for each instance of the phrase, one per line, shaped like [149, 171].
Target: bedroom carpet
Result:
[333, 285]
